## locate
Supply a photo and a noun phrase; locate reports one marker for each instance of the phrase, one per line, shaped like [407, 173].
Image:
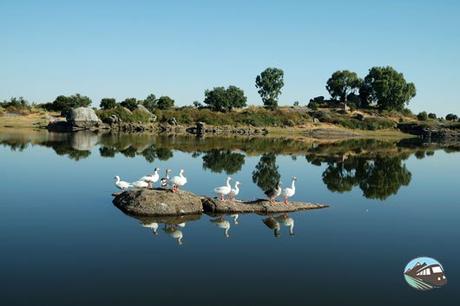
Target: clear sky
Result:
[180, 48]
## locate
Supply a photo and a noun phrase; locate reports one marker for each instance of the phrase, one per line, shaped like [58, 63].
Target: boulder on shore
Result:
[164, 202]
[80, 118]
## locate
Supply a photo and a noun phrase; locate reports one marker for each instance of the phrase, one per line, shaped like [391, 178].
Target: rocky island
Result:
[164, 202]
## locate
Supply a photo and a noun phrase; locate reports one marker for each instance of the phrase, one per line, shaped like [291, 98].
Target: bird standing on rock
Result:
[178, 181]
[121, 184]
[165, 180]
[152, 178]
[224, 190]
[289, 191]
[273, 193]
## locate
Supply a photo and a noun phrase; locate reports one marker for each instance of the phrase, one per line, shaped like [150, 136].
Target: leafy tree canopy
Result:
[343, 83]
[387, 88]
[150, 102]
[130, 103]
[108, 103]
[221, 99]
[270, 82]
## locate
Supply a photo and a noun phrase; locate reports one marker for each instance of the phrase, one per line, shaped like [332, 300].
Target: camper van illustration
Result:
[425, 273]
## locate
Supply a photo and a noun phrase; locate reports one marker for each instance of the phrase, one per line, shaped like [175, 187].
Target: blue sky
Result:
[180, 48]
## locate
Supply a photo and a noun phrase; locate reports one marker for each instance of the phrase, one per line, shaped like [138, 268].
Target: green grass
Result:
[124, 115]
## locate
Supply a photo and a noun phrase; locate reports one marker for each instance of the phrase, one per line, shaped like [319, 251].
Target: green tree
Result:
[150, 102]
[270, 82]
[108, 103]
[197, 104]
[221, 99]
[388, 88]
[266, 174]
[422, 116]
[432, 116]
[343, 83]
[451, 117]
[296, 103]
[65, 103]
[130, 103]
[165, 102]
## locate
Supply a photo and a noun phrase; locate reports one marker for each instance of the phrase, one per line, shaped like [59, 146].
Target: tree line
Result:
[383, 88]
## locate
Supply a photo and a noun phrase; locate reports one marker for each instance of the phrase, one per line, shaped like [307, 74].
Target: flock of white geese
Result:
[175, 182]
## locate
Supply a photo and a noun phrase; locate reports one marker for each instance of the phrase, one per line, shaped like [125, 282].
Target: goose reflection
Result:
[174, 232]
[220, 222]
[153, 226]
[235, 218]
[274, 223]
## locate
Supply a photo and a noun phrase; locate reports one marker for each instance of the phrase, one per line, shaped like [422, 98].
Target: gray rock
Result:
[143, 109]
[158, 202]
[83, 117]
[162, 202]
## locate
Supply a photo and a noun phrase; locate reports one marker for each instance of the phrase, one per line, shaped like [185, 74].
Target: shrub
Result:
[432, 115]
[130, 103]
[451, 117]
[124, 115]
[422, 116]
[165, 102]
[64, 103]
[108, 103]
[16, 105]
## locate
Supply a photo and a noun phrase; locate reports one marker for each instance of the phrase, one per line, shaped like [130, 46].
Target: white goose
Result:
[140, 184]
[152, 178]
[121, 184]
[289, 191]
[223, 224]
[165, 180]
[234, 192]
[178, 181]
[153, 226]
[224, 190]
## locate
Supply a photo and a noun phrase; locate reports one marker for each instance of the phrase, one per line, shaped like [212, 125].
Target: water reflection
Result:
[375, 167]
[223, 224]
[171, 226]
[275, 222]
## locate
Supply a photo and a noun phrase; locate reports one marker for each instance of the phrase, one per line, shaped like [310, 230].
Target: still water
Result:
[64, 243]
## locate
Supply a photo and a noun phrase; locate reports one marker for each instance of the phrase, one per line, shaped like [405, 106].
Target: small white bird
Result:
[224, 190]
[289, 191]
[140, 184]
[178, 181]
[223, 224]
[153, 226]
[234, 192]
[152, 178]
[121, 184]
[165, 180]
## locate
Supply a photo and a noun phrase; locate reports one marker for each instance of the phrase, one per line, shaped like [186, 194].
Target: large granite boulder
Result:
[158, 202]
[83, 117]
[142, 108]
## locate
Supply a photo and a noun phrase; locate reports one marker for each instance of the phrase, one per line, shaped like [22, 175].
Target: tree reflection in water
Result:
[378, 177]
[218, 161]
[266, 174]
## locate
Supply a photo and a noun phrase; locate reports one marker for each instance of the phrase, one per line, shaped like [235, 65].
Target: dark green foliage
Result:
[451, 117]
[151, 102]
[266, 174]
[130, 103]
[432, 116]
[65, 103]
[342, 83]
[124, 115]
[108, 103]
[378, 178]
[422, 116]
[269, 83]
[367, 123]
[296, 103]
[387, 88]
[165, 102]
[218, 161]
[221, 99]
[197, 104]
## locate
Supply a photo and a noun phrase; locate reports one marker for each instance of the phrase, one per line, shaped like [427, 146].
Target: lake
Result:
[63, 242]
